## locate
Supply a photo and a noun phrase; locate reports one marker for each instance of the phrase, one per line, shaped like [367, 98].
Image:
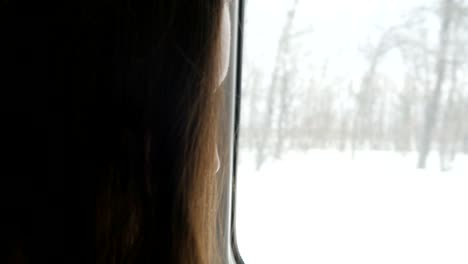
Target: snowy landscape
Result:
[322, 207]
[353, 140]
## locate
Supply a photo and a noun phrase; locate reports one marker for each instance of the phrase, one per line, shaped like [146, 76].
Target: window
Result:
[353, 140]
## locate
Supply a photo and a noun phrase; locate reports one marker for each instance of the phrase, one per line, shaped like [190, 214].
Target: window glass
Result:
[353, 142]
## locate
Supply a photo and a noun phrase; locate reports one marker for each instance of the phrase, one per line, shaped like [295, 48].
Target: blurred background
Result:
[354, 135]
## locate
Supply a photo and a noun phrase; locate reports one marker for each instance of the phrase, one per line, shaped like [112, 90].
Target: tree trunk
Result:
[272, 91]
[432, 107]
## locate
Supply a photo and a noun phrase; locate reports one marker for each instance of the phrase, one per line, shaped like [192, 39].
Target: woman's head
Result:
[133, 89]
[168, 57]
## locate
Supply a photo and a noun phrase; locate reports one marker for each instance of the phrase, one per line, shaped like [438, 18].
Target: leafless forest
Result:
[419, 104]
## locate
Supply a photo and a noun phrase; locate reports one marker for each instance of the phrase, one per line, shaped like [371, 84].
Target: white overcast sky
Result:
[340, 28]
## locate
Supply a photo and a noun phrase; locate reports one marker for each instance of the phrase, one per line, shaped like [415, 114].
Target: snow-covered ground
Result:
[322, 207]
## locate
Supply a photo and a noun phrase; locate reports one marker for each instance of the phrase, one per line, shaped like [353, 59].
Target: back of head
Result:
[124, 98]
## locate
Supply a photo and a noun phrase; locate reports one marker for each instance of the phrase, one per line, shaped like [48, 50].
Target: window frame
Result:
[232, 86]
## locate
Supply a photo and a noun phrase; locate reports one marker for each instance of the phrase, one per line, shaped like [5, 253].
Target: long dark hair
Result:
[134, 83]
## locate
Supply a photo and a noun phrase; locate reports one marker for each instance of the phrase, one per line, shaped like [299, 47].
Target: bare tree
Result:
[367, 95]
[276, 82]
[432, 107]
[452, 114]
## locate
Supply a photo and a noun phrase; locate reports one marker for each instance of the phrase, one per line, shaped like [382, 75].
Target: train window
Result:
[353, 140]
